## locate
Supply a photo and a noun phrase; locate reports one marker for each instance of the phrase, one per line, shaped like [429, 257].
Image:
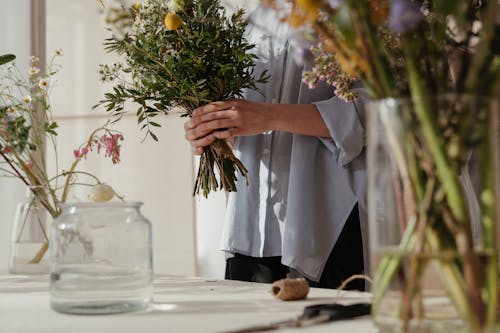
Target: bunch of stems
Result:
[432, 206]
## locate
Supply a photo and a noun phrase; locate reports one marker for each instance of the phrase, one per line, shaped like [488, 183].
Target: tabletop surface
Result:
[181, 304]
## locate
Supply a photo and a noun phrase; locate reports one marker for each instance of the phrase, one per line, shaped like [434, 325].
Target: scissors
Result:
[313, 315]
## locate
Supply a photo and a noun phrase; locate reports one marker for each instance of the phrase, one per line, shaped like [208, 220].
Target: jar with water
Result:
[101, 259]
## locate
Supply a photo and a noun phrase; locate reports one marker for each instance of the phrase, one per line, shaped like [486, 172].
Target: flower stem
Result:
[448, 178]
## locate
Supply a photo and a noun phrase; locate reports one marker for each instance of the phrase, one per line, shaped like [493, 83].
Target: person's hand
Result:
[226, 119]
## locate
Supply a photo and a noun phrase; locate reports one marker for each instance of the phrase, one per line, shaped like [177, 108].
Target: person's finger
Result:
[197, 133]
[202, 142]
[215, 125]
[224, 134]
[224, 114]
[212, 107]
[217, 106]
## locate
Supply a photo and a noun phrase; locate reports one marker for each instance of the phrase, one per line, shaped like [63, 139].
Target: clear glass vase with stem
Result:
[433, 193]
[30, 236]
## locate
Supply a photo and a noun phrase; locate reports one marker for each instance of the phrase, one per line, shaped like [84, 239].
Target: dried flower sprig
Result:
[423, 50]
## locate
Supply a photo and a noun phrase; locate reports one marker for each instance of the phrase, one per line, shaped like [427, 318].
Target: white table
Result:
[181, 305]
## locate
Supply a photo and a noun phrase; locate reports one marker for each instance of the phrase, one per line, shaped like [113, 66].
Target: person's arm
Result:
[224, 120]
[345, 122]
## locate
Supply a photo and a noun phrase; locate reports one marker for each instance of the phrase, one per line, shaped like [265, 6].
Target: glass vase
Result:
[433, 194]
[101, 259]
[30, 242]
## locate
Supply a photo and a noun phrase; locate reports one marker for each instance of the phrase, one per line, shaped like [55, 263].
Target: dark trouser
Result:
[345, 260]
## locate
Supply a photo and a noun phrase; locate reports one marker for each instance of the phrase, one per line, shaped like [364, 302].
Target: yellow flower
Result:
[349, 61]
[310, 7]
[297, 19]
[27, 100]
[138, 6]
[172, 21]
[33, 71]
[43, 84]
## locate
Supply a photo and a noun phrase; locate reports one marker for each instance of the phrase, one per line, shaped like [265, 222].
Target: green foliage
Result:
[6, 58]
[206, 59]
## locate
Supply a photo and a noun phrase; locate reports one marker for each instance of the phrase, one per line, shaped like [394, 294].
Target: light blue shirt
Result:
[301, 188]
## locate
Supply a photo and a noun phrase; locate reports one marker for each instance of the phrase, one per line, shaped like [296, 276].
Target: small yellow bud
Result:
[172, 21]
[101, 193]
[454, 147]
[488, 198]
[138, 6]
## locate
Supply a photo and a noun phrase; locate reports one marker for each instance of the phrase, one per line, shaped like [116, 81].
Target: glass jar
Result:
[101, 259]
[30, 240]
[434, 216]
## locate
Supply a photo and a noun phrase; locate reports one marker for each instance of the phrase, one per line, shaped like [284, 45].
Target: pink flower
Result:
[85, 150]
[76, 153]
[111, 145]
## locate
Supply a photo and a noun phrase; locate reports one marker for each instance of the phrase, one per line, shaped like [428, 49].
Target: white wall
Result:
[14, 38]
[159, 174]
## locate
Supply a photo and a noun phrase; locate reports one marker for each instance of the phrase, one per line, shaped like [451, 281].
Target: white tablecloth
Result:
[181, 305]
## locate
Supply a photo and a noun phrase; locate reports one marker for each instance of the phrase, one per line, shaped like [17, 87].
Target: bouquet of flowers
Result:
[28, 131]
[444, 58]
[180, 54]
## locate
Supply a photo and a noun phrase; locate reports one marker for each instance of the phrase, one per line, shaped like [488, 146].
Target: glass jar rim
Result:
[108, 204]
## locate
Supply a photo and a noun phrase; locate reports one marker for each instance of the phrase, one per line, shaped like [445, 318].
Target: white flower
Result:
[34, 59]
[101, 193]
[33, 71]
[43, 84]
[11, 109]
[27, 100]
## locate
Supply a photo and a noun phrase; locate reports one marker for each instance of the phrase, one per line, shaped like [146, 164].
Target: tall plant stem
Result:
[448, 178]
[447, 175]
[488, 127]
[455, 285]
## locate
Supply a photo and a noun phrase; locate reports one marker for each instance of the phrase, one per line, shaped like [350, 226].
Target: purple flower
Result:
[335, 3]
[405, 15]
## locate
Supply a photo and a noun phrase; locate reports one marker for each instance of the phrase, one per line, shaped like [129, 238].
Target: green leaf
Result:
[153, 136]
[6, 58]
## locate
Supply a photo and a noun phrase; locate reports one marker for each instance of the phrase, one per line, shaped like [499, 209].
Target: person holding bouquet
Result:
[303, 211]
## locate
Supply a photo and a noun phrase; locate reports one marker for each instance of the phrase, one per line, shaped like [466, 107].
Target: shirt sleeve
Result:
[345, 122]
